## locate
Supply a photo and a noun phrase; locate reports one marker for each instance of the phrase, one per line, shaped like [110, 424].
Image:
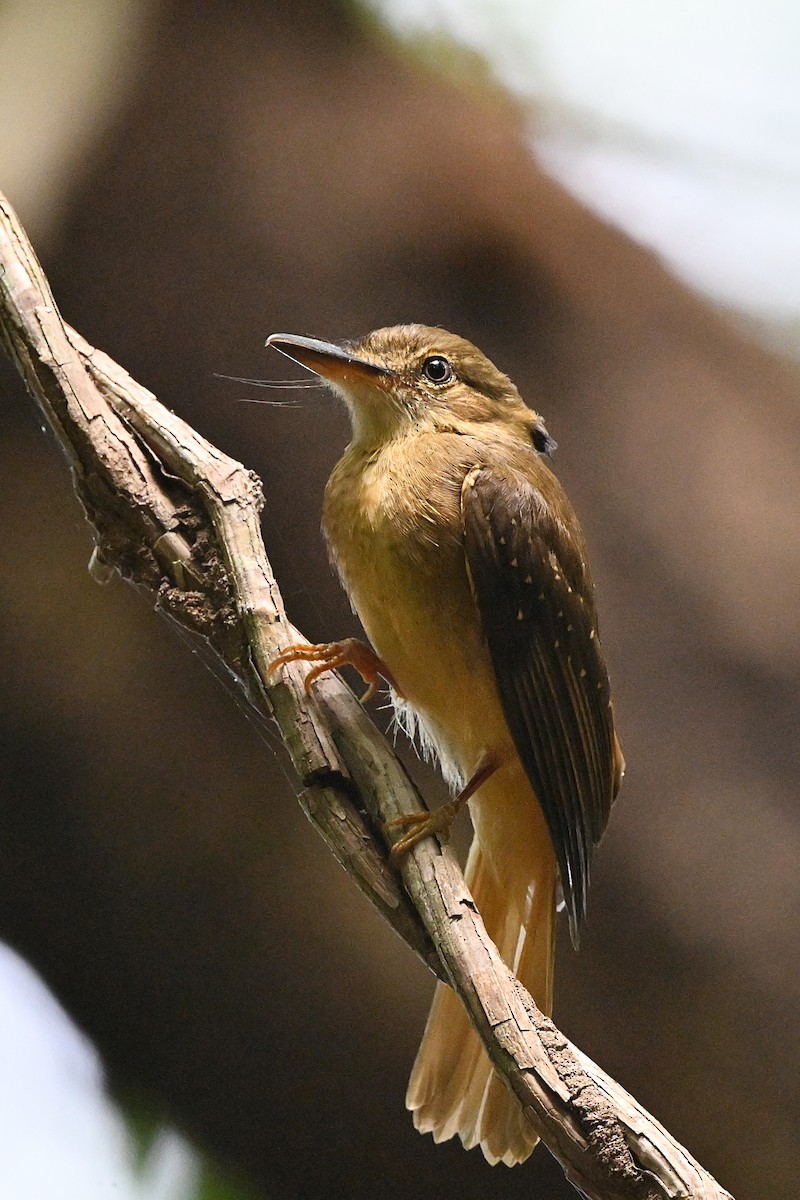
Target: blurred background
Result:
[604, 199]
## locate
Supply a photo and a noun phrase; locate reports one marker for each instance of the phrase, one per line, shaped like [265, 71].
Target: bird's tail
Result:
[453, 1087]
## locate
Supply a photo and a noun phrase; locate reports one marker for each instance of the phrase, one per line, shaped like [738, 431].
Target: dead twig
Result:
[180, 519]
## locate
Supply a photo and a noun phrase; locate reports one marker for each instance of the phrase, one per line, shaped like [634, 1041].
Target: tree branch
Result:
[180, 520]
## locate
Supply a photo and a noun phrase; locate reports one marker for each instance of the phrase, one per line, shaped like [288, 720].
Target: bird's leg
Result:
[329, 655]
[426, 824]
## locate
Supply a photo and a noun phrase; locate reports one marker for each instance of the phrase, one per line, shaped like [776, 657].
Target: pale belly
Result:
[437, 656]
[426, 631]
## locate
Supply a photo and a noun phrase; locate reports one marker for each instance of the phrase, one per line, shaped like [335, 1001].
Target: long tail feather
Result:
[453, 1088]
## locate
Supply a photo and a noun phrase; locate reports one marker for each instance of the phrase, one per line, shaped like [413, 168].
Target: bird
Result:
[466, 565]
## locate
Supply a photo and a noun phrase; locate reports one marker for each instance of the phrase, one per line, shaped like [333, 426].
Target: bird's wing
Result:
[537, 613]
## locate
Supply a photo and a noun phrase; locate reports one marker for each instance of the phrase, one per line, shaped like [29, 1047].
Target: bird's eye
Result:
[437, 369]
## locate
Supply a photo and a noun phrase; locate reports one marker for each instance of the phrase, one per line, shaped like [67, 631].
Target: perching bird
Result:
[466, 565]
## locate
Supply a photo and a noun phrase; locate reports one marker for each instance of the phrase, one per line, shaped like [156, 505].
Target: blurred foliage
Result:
[146, 1126]
[216, 1185]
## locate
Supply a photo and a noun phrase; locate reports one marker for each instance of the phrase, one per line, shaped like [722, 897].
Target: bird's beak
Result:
[332, 362]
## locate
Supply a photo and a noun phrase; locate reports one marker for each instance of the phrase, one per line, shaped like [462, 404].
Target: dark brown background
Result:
[280, 168]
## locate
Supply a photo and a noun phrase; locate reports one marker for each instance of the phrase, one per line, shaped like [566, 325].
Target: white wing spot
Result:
[583, 672]
[514, 562]
[528, 579]
[520, 615]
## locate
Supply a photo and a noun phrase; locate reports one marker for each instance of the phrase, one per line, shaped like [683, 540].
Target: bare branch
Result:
[179, 519]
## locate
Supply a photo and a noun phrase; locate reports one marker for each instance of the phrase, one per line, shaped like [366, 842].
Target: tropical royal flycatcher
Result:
[465, 562]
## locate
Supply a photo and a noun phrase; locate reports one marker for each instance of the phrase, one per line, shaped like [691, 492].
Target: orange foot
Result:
[421, 825]
[438, 823]
[330, 655]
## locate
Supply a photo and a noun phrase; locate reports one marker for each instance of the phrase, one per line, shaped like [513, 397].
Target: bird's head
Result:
[414, 377]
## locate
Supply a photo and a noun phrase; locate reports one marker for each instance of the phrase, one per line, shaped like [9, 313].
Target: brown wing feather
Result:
[537, 612]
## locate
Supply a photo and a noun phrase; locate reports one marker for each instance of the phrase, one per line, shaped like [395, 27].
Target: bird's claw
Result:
[421, 825]
[328, 656]
[438, 823]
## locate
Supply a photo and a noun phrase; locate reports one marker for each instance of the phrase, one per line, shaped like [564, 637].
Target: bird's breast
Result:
[393, 526]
